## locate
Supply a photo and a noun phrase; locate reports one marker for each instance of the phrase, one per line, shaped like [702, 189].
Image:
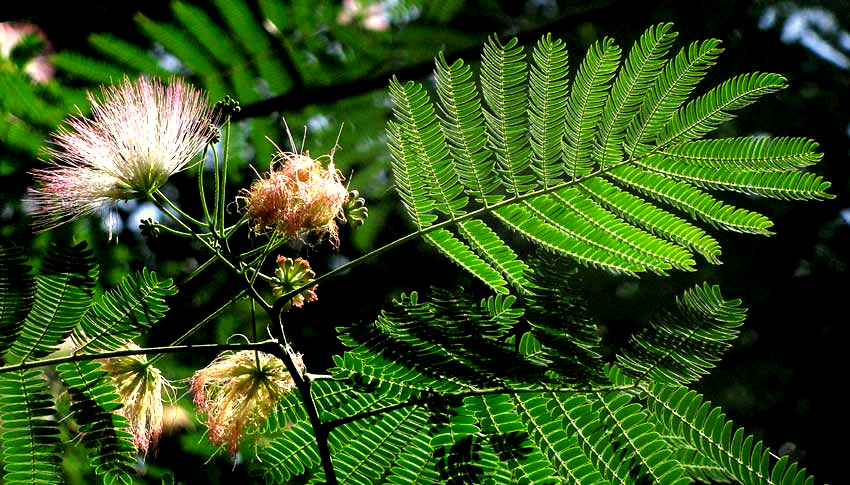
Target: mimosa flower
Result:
[239, 391]
[140, 134]
[140, 387]
[297, 197]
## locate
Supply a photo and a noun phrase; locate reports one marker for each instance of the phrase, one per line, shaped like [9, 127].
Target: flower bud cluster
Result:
[290, 275]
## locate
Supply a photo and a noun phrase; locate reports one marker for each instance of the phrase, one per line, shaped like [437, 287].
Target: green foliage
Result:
[104, 433]
[17, 290]
[28, 111]
[64, 290]
[683, 413]
[604, 169]
[607, 158]
[124, 313]
[39, 312]
[681, 345]
[29, 431]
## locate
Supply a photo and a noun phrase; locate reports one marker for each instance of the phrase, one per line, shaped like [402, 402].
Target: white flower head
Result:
[140, 134]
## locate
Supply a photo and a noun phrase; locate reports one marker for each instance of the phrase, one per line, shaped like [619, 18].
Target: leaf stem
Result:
[330, 425]
[265, 346]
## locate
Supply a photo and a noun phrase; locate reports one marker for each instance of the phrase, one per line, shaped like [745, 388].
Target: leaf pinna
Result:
[606, 168]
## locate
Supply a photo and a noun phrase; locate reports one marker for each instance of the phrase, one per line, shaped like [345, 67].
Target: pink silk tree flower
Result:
[140, 134]
[239, 391]
[296, 197]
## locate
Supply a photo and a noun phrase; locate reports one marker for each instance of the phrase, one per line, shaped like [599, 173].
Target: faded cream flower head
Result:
[140, 387]
[238, 392]
[298, 196]
[140, 134]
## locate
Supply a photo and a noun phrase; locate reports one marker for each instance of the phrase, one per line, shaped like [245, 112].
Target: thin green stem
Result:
[165, 205]
[217, 183]
[175, 212]
[265, 346]
[223, 177]
[206, 320]
[201, 190]
[232, 229]
[171, 230]
[206, 264]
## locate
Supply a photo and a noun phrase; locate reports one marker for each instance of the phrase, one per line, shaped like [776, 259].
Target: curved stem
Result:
[221, 192]
[166, 206]
[201, 192]
[320, 430]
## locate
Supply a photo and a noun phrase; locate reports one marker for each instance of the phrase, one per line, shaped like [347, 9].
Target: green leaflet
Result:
[104, 433]
[465, 133]
[389, 425]
[29, 432]
[777, 185]
[504, 81]
[681, 344]
[293, 451]
[643, 64]
[366, 459]
[127, 54]
[542, 153]
[17, 290]
[682, 412]
[757, 153]
[588, 95]
[702, 115]
[123, 313]
[547, 104]
[501, 418]
[671, 88]
[63, 293]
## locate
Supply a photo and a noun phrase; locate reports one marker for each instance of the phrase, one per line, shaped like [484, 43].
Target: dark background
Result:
[782, 380]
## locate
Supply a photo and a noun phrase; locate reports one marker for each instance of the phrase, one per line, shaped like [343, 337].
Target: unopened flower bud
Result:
[290, 275]
[355, 210]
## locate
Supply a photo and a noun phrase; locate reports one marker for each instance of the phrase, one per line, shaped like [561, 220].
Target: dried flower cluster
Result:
[291, 274]
[140, 387]
[298, 196]
[140, 134]
[238, 392]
